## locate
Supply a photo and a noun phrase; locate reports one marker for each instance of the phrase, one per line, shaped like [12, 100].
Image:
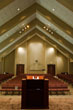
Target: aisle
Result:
[56, 102]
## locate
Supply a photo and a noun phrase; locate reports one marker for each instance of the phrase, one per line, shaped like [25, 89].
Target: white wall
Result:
[50, 55]
[37, 49]
[8, 63]
[62, 63]
[71, 68]
[0, 67]
[21, 56]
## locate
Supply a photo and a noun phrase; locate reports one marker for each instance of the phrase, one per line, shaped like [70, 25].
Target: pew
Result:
[55, 85]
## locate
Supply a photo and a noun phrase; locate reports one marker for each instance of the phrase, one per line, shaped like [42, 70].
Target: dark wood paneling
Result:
[51, 69]
[34, 94]
[19, 69]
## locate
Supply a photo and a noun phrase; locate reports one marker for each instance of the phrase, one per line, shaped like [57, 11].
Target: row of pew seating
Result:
[57, 85]
[15, 84]
[66, 77]
[4, 77]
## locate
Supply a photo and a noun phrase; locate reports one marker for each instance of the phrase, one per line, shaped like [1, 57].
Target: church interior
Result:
[36, 45]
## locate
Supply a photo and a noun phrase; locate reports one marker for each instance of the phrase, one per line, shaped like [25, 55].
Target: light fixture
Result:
[18, 9]
[47, 29]
[23, 29]
[53, 9]
[23, 24]
[51, 32]
[20, 50]
[27, 26]
[20, 32]
[44, 27]
[51, 50]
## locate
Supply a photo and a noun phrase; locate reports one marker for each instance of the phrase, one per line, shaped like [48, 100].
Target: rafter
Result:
[36, 27]
[4, 3]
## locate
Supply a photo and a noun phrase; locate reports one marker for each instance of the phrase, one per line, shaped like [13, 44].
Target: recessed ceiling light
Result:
[51, 32]
[23, 29]
[20, 32]
[18, 9]
[53, 9]
[44, 27]
[47, 29]
[27, 26]
[23, 24]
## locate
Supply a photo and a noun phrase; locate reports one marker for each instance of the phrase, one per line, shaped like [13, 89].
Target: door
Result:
[19, 69]
[51, 69]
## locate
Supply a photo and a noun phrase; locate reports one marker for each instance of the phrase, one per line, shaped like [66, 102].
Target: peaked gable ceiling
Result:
[35, 17]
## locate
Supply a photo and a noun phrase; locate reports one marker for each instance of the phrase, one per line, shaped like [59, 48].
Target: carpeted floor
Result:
[55, 102]
[61, 103]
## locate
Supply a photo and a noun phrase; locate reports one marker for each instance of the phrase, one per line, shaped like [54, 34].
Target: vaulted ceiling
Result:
[52, 20]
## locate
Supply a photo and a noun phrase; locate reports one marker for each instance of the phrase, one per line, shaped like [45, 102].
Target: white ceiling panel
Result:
[16, 40]
[16, 28]
[52, 38]
[52, 26]
[60, 11]
[11, 11]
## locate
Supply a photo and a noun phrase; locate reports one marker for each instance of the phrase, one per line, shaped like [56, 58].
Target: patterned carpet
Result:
[55, 102]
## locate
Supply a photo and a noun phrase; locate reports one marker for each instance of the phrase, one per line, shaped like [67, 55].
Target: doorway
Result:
[19, 69]
[51, 69]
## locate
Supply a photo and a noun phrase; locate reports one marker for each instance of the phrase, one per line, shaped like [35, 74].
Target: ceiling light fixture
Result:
[23, 29]
[23, 24]
[20, 32]
[53, 9]
[44, 27]
[47, 29]
[18, 9]
[27, 26]
[51, 32]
